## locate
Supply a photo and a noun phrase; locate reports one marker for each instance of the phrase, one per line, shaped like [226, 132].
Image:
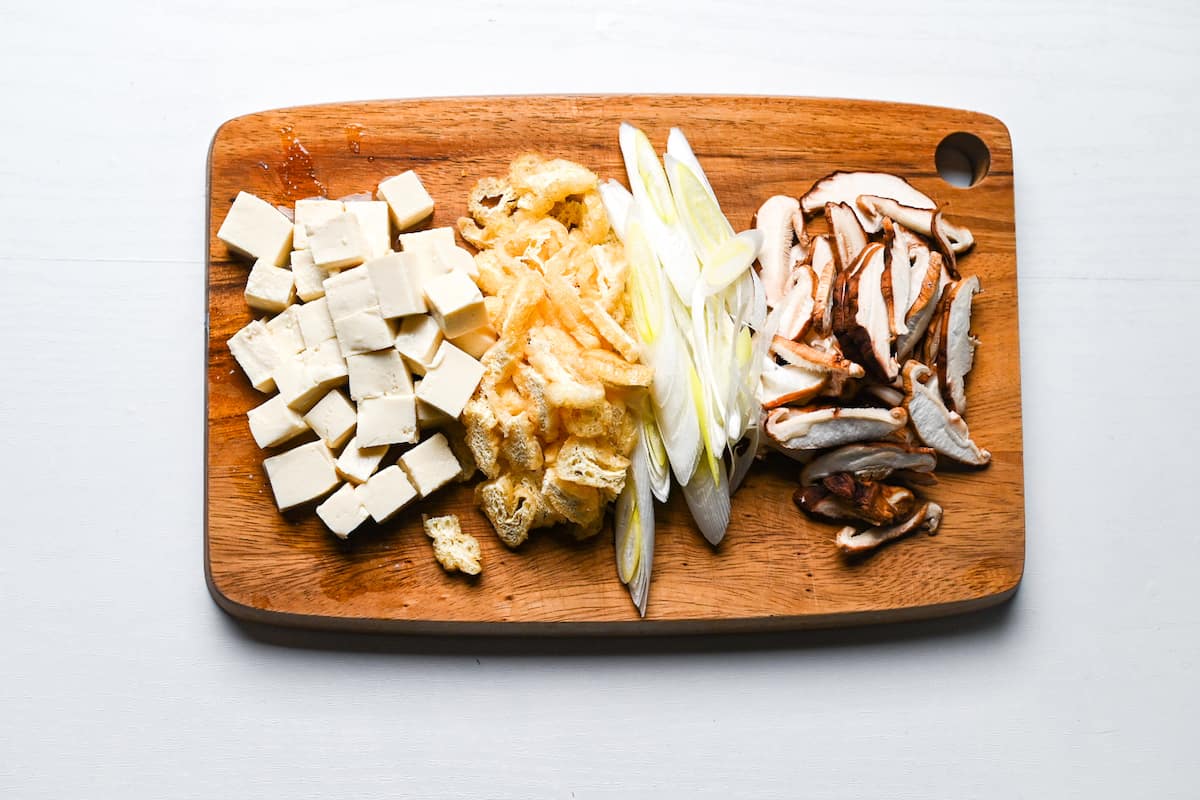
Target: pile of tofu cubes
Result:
[401, 331]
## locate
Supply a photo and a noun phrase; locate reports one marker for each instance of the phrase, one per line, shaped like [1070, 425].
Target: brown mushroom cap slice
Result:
[860, 319]
[920, 219]
[824, 270]
[937, 426]
[796, 307]
[781, 384]
[955, 344]
[849, 500]
[897, 274]
[872, 461]
[847, 187]
[830, 361]
[774, 221]
[815, 429]
[851, 542]
[849, 238]
[923, 306]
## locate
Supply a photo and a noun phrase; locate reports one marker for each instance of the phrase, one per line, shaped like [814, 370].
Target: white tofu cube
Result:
[325, 364]
[301, 474]
[253, 347]
[313, 212]
[425, 265]
[378, 373]
[418, 341]
[316, 325]
[396, 285]
[362, 332]
[429, 417]
[386, 492]
[456, 259]
[391, 419]
[273, 423]
[477, 342]
[374, 223]
[450, 381]
[269, 288]
[350, 291]
[343, 511]
[285, 330]
[456, 303]
[310, 279]
[427, 240]
[296, 386]
[430, 465]
[255, 228]
[407, 198]
[333, 419]
[338, 243]
[359, 463]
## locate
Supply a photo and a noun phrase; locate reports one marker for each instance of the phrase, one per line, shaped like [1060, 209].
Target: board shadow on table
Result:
[986, 623]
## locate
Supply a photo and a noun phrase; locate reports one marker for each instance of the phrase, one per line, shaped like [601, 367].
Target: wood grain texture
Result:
[775, 569]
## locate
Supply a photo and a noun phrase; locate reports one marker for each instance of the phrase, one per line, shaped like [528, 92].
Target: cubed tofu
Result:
[418, 341]
[296, 385]
[343, 511]
[356, 464]
[456, 303]
[407, 199]
[430, 465]
[301, 474]
[253, 347]
[427, 240]
[255, 228]
[332, 418]
[316, 325]
[310, 279]
[450, 381]
[391, 419]
[386, 492]
[396, 285]
[314, 212]
[424, 266]
[273, 423]
[350, 292]
[374, 223]
[456, 259]
[285, 330]
[454, 550]
[477, 342]
[338, 243]
[362, 332]
[325, 364]
[378, 373]
[269, 288]
[429, 417]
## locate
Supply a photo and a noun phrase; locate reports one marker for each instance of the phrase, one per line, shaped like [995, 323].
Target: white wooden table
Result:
[118, 675]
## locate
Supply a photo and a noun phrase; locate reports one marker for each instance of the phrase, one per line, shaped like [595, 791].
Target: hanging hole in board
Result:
[962, 159]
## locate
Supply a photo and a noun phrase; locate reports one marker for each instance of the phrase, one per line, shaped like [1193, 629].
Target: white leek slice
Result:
[652, 191]
[628, 530]
[730, 261]
[744, 454]
[679, 148]
[708, 500]
[617, 203]
[657, 463]
[674, 407]
[701, 216]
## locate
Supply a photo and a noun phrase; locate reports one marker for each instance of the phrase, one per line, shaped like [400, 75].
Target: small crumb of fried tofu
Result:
[454, 550]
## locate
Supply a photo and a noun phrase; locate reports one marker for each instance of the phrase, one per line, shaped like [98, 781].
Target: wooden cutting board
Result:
[775, 569]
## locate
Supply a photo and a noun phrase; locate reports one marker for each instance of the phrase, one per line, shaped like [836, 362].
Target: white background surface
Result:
[120, 677]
